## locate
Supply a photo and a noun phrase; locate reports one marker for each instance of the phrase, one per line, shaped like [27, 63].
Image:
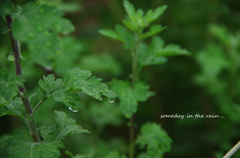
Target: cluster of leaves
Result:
[38, 26]
[153, 54]
[219, 63]
[138, 28]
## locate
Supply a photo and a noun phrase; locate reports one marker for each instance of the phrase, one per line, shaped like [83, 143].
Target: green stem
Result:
[37, 106]
[132, 135]
[134, 78]
[18, 70]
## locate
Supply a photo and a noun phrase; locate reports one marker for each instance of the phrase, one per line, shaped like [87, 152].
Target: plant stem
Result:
[132, 135]
[37, 106]
[134, 77]
[18, 70]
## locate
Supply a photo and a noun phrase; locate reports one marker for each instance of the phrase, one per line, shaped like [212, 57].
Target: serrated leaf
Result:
[154, 29]
[35, 26]
[74, 79]
[9, 87]
[3, 73]
[48, 85]
[146, 57]
[14, 107]
[65, 127]
[16, 147]
[121, 34]
[6, 7]
[70, 99]
[129, 97]
[156, 139]
[153, 15]
[172, 50]
[83, 80]
[157, 48]
[114, 154]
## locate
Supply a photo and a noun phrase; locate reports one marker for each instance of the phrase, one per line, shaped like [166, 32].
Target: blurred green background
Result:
[206, 82]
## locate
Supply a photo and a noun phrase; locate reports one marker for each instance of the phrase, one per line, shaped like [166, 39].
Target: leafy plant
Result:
[133, 35]
[219, 76]
[39, 36]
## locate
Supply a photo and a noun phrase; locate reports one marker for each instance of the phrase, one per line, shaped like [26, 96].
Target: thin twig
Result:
[232, 151]
[37, 106]
[18, 70]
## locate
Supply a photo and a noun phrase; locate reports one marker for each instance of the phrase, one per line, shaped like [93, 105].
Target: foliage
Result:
[140, 65]
[155, 138]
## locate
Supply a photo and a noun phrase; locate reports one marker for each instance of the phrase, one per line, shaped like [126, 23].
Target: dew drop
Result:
[10, 57]
[111, 100]
[73, 110]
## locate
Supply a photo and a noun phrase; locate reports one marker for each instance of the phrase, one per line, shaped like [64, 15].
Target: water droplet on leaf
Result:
[111, 100]
[73, 109]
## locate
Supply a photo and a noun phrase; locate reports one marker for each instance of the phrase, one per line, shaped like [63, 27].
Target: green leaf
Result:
[151, 16]
[37, 25]
[109, 33]
[130, 25]
[114, 154]
[83, 80]
[103, 63]
[129, 97]
[74, 79]
[16, 147]
[14, 107]
[221, 33]
[6, 7]
[172, 50]
[121, 34]
[146, 57]
[212, 60]
[65, 127]
[126, 37]
[154, 29]
[157, 140]
[101, 116]
[157, 48]
[130, 10]
[9, 88]
[71, 48]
